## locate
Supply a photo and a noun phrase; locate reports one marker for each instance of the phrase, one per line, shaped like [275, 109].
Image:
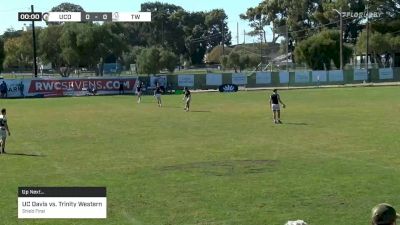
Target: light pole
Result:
[367, 38]
[341, 37]
[261, 60]
[287, 47]
[223, 38]
[34, 46]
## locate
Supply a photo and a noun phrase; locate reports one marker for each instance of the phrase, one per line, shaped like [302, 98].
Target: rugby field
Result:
[224, 163]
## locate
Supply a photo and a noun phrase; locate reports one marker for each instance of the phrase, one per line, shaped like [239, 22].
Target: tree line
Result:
[174, 37]
[310, 28]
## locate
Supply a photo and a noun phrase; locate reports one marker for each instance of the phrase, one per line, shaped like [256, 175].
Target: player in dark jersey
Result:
[139, 88]
[274, 101]
[157, 94]
[187, 97]
[3, 130]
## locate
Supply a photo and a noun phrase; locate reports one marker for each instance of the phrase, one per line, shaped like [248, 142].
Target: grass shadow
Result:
[25, 154]
[224, 168]
[175, 107]
[199, 111]
[297, 123]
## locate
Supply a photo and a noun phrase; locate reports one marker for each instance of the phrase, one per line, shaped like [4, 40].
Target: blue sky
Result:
[8, 11]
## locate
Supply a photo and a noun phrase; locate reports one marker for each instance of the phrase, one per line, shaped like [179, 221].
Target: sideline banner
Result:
[214, 79]
[67, 86]
[360, 74]
[228, 88]
[16, 88]
[302, 77]
[319, 76]
[160, 79]
[283, 77]
[385, 73]
[335, 75]
[263, 77]
[239, 79]
[185, 80]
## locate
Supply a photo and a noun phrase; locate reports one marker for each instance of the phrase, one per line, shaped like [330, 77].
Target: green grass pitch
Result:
[224, 163]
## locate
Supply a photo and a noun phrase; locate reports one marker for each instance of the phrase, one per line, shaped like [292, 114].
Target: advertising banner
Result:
[76, 87]
[385, 73]
[283, 77]
[228, 88]
[360, 74]
[302, 77]
[15, 88]
[263, 77]
[214, 79]
[335, 75]
[185, 80]
[239, 79]
[161, 79]
[319, 76]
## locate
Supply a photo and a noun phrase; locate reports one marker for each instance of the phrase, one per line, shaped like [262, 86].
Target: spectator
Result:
[3, 89]
[121, 87]
[384, 214]
[41, 69]
[21, 89]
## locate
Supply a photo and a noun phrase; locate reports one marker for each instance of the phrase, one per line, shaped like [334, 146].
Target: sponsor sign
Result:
[335, 75]
[319, 76]
[386, 73]
[15, 88]
[65, 87]
[185, 80]
[360, 74]
[161, 79]
[302, 77]
[213, 79]
[239, 79]
[263, 77]
[283, 77]
[228, 88]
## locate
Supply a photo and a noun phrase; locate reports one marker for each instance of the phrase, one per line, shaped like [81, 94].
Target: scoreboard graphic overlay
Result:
[85, 16]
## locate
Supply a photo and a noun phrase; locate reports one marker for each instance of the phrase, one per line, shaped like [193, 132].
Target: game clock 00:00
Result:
[29, 16]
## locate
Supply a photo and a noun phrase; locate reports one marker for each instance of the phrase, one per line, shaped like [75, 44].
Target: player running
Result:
[274, 101]
[157, 94]
[3, 130]
[139, 88]
[187, 97]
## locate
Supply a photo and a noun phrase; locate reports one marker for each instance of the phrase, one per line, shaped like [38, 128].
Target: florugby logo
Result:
[362, 14]
[228, 88]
